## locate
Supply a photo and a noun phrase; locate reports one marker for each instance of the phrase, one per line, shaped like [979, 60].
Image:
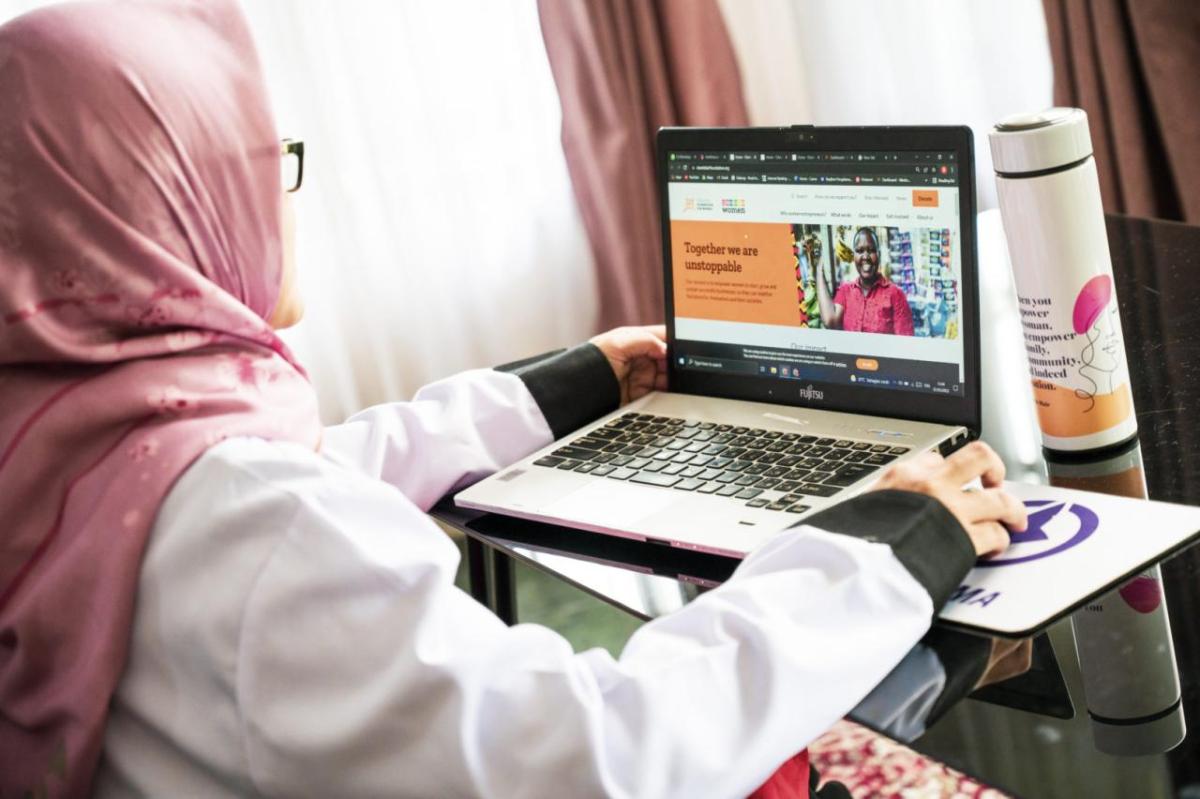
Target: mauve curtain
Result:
[623, 69]
[1134, 66]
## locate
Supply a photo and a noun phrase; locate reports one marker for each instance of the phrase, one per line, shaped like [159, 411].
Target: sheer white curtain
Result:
[437, 229]
[870, 62]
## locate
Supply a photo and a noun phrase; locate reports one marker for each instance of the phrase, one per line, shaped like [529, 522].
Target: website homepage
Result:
[843, 273]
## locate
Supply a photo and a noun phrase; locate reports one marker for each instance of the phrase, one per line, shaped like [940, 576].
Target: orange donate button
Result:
[867, 364]
[924, 198]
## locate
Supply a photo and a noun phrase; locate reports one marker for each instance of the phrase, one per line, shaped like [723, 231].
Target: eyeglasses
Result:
[293, 164]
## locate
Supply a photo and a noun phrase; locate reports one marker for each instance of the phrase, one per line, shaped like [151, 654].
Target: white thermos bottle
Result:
[1050, 204]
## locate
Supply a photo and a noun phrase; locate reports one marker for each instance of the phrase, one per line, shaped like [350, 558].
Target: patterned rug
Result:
[875, 767]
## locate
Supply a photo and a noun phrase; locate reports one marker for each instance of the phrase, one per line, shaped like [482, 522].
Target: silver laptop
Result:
[822, 320]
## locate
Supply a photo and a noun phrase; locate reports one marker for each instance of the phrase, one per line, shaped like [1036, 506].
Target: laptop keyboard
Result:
[741, 463]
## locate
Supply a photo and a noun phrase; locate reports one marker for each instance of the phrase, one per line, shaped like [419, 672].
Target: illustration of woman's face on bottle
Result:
[866, 256]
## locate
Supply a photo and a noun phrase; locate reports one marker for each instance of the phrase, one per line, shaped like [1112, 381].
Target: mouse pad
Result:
[1078, 546]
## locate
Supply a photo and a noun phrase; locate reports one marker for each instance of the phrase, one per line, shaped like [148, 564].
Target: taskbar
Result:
[850, 369]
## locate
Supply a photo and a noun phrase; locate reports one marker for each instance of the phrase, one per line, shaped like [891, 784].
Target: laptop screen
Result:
[836, 271]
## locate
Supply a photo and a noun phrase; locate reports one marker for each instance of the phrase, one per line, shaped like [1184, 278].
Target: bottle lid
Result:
[1040, 141]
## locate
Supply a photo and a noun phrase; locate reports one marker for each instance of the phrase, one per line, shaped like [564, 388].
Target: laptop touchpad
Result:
[610, 505]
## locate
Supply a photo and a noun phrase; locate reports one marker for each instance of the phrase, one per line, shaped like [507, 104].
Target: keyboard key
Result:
[824, 442]
[693, 471]
[604, 457]
[696, 446]
[621, 473]
[814, 490]
[737, 466]
[709, 474]
[664, 455]
[585, 467]
[768, 482]
[849, 474]
[778, 446]
[857, 457]
[880, 448]
[749, 493]
[573, 452]
[688, 484]
[798, 509]
[549, 460]
[714, 449]
[787, 485]
[708, 488]
[568, 464]
[728, 491]
[778, 471]
[756, 503]
[770, 457]
[898, 450]
[880, 460]
[748, 480]
[777, 505]
[637, 463]
[621, 460]
[701, 460]
[756, 468]
[683, 457]
[654, 466]
[674, 468]
[860, 445]
[842, 443]
[651, 479]
[602, 471]
[720, 463]
[727, 477]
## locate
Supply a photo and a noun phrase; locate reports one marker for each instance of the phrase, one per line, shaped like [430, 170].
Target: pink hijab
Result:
[139, 257]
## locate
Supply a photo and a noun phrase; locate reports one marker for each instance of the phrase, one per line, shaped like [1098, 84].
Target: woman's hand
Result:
[638, 356]
[1007, 659]
[983, 514]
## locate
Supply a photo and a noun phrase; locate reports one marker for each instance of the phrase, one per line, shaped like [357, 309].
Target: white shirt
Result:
[298, 633]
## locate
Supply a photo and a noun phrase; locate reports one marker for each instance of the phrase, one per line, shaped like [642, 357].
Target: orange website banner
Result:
[735, 272]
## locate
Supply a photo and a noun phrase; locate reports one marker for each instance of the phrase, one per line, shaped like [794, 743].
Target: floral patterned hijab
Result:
[140, 256]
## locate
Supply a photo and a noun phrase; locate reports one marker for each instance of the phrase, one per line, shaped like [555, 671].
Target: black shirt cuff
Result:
[571, 387]
[964, 658]
[922, 533]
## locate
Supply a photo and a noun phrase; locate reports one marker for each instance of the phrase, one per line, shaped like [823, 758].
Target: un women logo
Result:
[1053, 527]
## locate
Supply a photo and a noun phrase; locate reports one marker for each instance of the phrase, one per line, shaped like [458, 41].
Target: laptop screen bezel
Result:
[965, 410]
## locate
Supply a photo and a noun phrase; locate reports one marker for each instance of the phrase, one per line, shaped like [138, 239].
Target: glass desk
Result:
[1105, 708]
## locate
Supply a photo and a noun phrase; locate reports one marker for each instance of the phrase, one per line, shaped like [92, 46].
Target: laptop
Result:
[822, 324]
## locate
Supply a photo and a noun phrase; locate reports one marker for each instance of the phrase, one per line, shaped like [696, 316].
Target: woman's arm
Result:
[831, 312]
[463, 428]
[363, 671]
[901, 313]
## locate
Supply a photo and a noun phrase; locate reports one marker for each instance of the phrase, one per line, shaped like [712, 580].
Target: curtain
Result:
[623, 69]
[1132, 66]
[437, 228]
[903, 62]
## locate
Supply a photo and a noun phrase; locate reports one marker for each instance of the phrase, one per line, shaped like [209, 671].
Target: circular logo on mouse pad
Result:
[1053, 527]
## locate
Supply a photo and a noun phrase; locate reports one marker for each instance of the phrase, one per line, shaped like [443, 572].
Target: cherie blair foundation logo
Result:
[1054, 527]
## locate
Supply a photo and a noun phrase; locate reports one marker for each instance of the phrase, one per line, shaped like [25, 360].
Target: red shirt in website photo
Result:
[882, 309]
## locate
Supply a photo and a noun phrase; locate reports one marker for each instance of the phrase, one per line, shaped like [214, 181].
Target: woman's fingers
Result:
[975, 460]
[996, 505]
[989, 538]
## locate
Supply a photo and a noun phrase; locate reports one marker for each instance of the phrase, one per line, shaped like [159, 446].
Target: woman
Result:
[204, 593]
[870, 303]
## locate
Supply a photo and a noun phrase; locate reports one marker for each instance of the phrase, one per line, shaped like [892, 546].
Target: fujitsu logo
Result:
[810, 393]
